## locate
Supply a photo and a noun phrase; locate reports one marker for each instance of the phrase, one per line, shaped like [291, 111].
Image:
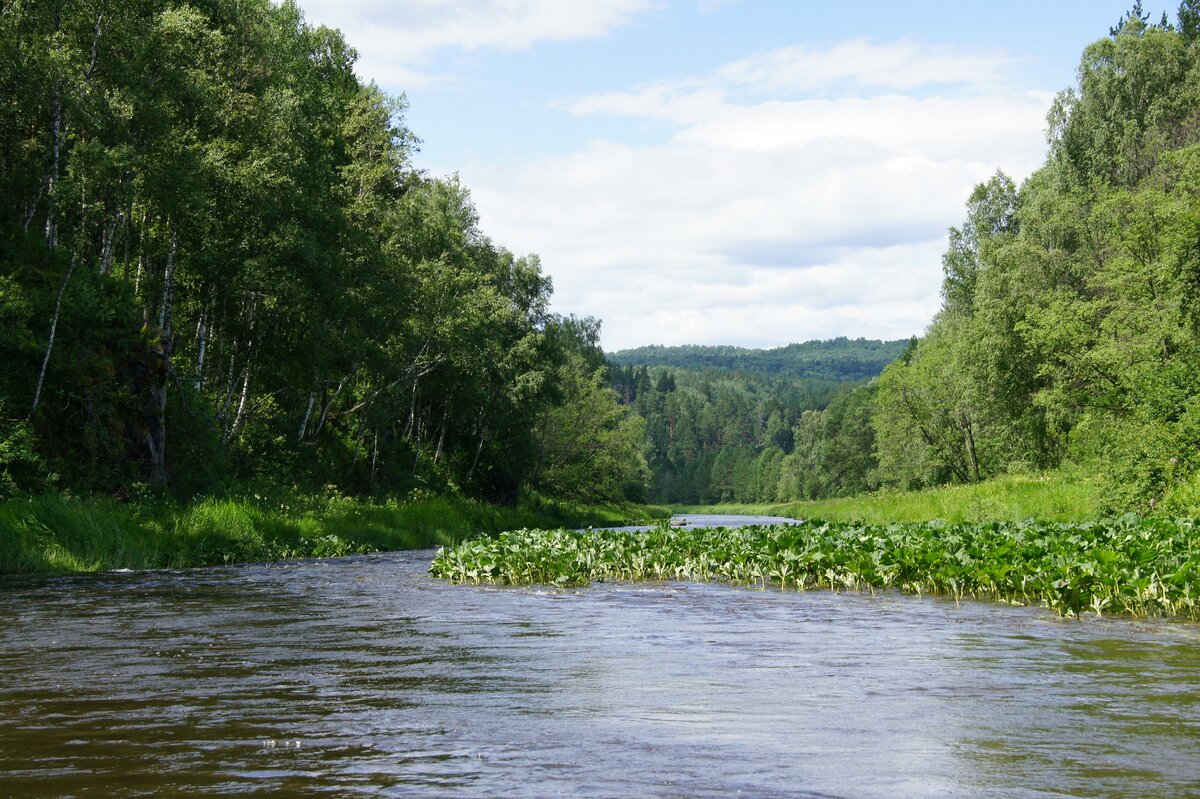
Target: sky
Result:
[748, 172]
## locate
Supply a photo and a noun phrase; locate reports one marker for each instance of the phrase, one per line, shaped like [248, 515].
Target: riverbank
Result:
[60, 534]
[1065, 495]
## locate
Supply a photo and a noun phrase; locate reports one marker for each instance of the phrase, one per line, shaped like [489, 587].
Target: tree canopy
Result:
[218, 264]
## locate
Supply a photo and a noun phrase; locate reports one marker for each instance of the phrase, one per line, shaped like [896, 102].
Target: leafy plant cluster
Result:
[1126, 566]
[219, 267]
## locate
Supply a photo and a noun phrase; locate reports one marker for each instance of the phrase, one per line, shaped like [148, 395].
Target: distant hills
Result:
[834, 359]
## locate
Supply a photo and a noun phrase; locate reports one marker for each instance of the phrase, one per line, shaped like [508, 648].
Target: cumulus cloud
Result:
[398, 39]
[768, 220]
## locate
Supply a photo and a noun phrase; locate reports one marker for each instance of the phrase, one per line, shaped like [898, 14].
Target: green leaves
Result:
[1126, 566]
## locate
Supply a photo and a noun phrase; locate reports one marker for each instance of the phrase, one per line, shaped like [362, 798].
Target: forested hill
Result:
[835, 359]
[724, 423]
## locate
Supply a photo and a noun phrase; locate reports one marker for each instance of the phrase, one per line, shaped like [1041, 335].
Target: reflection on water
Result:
[364, 676]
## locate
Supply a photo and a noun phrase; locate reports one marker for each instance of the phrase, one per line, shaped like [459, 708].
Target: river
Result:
[363, 676]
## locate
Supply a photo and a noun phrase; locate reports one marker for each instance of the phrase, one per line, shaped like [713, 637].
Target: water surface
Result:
[364, 676]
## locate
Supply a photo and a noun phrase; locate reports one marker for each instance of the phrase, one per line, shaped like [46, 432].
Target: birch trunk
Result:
[374, 455]
[328, 407]
[437, 453]
[55, 146]
[158, 430]
[202, 348]
[312, 400]
[107, 243]
[33, 206]
[240, 416]
[166, 309]
[232, 383]
[96, 31]
[478, 449]
[37, 392]
[972, 455]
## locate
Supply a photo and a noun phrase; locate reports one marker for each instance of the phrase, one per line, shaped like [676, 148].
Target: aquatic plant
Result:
[1127, 566]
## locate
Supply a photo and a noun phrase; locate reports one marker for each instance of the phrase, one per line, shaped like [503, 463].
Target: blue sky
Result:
[749, 172]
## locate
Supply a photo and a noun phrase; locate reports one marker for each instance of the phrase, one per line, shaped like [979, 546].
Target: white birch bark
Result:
[107, 242]
[55, 145]
[240, 416]
[202, 348]
[312, 400]
[37, 392]
[158, 431]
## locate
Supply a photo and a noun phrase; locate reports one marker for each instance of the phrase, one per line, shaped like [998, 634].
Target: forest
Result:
[1069, 330]
[727, 424]
[220, 269]
[836, 359]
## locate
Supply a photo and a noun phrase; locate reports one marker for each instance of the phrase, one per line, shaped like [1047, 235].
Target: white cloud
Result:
[857, 67]
[397, 39]
[762, 222]
[902, 64]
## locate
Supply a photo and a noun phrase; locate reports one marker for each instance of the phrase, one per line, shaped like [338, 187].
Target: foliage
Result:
[1069, 323]
[591, 446]
[1122, 566]
[218, 267]
[21, 467]
[837, 359]
[834, 451]
[720, 435]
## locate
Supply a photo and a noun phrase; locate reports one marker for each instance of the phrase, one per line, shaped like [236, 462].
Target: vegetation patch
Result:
[58, 534]
[1127, 566]
[1064, 495]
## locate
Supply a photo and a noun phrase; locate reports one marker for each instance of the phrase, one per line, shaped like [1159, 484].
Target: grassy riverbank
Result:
[1060, 496]
[1126, 566]
[53, 533]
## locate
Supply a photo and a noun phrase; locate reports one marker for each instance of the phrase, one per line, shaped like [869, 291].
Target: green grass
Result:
[57, 534]
[1060, 496]
[1126, 566]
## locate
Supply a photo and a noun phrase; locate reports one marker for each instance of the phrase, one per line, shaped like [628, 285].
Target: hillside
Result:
[835, 359]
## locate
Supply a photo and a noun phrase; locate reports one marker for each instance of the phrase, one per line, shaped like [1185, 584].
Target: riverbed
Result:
[365, 676]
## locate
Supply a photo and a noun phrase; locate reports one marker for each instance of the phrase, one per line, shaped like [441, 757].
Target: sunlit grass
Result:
[56, 533]
[1060, 496]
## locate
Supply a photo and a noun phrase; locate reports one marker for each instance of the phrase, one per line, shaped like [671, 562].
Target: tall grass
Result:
[55, 533]
[1060, 496]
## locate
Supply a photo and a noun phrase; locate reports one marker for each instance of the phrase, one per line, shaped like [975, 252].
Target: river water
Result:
[364, 676]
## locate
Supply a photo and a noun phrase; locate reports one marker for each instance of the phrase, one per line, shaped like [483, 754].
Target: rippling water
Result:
[364, 676]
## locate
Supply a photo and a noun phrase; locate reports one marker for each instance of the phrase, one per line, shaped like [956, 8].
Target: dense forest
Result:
[1069, 329]
[219, 266]
[731, 424]
[837, 359]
